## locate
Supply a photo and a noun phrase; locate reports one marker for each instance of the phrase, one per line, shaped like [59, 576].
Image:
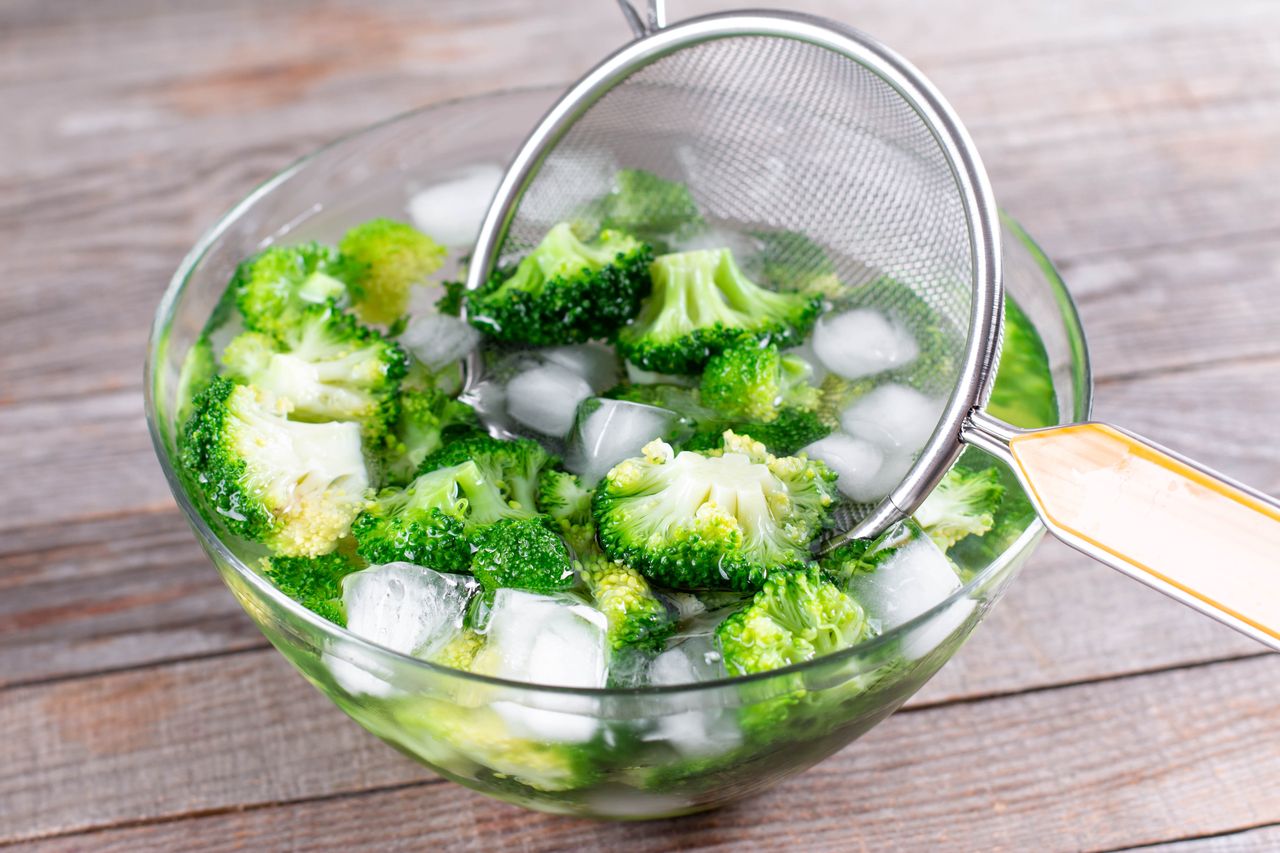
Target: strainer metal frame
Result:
[987, 306]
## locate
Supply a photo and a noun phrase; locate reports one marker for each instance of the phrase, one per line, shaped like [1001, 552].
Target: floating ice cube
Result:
[862, 342]
[451, 211]
[438, 340]
[895, 418]
[915, 578]
[856, 463]
[546, 398]
[698, 731]
[548, 640]
[608, 431]
[406, 608]
[596, 363]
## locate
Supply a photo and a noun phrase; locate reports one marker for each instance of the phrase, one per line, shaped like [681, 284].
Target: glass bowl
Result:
[606, 753]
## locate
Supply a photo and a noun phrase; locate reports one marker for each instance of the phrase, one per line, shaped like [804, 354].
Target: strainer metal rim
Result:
[982, 346]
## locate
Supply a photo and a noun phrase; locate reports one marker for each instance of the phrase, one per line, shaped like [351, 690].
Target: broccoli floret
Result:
[198, 370]
[754, 382]
[428, 419]
[857, 556]
[562, 496]
[314, 582]
[565, 291]
[720, 519]
[460, 651]
[702, 304]
[794, 263]
[430, 521]
[273, 286]
[521, 554]
[636, 617]
[963, 504]
[513, 465]
[655, 210]
[795, 617]
[326, 366]
[389, 258]
[293, 486]
[1023, 393]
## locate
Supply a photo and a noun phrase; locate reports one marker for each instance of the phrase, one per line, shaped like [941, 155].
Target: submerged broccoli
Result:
[327, 366]
[428, 419]
[794, 263]
[430, 521]
[636, 617]
[514, 466]
[963, 504]
[655, 210]
[314, 582]
[295, 487]
[1023, 393]
[460, 651]
[702, 304]
[755, 382]
[562, 496]
[565, 291]
[388, 258]
[721, 519]
[521, 554]
[796, 616]
[273, 286]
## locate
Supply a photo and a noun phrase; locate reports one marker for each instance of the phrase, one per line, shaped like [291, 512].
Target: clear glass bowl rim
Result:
[1082, 382]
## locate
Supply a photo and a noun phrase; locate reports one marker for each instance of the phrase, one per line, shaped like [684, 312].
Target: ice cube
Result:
[546, 398]
[697, 731]
[596, 363]
[914, 578]
[406, 608]
[547, 640]
[608, 431]
[862, 342]
[438, 340]
[451, 211]
[856, 462]
[895, 418]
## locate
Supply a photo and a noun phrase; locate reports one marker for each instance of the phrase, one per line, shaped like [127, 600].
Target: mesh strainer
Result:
[778, 121]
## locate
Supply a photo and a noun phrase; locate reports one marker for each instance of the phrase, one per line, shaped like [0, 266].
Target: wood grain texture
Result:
[1136, 147]
[1090, 767]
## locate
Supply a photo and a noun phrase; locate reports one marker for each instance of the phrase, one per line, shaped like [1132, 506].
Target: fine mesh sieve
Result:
[776, 120]
[785, 122]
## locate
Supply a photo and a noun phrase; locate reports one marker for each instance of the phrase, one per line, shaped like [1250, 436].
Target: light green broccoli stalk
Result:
[963, 504]
[565, 291]
[389, 257]
[428, 419]
[703, 304]
[328, 368]
[795, 617]
[295, 487]
[754, 383]
[521, 554]
[314, 582]
[274, 286]
[721, 519]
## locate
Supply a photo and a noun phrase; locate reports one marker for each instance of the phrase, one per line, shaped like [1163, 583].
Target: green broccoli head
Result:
[793, 262]
[388, 257]
[295, 487]
[327, 366]
[313, 582]
[562, 496]
[460, 651]
[513, 465]
[565, 291]
[427, 420]
[429, 522]
[792, 430]
[655, 210]
[273, 286]
[963, 504]
[754, 382]
[796, 616]
[521, 553]
[702, 304]
[722, 519]
[637, 618]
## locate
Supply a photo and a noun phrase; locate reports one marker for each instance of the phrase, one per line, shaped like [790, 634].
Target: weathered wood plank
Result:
[1265, 839]
[1095, 766]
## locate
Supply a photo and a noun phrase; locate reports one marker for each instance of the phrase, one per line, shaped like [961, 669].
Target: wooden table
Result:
[140, 710]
